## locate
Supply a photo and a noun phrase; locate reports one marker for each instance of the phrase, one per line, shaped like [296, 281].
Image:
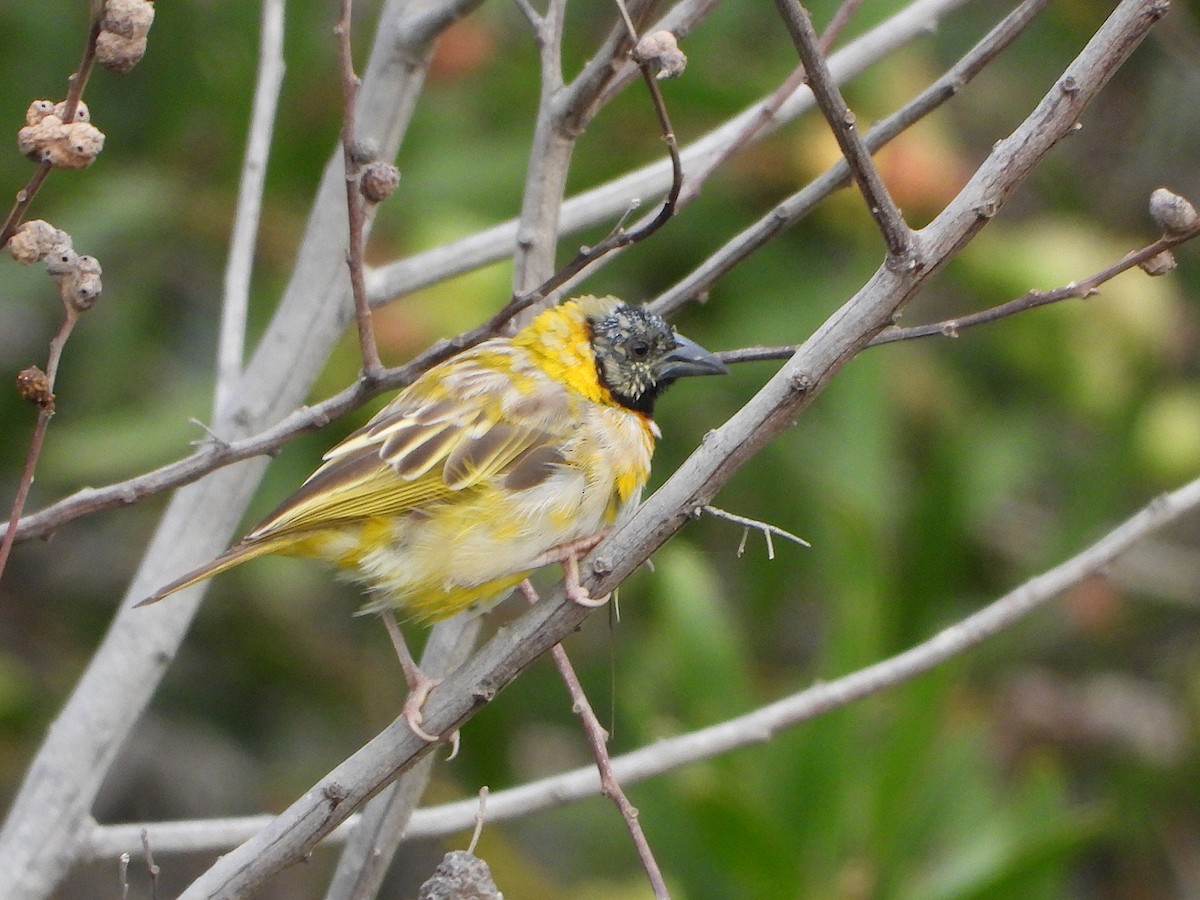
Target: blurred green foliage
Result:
[1059, 760]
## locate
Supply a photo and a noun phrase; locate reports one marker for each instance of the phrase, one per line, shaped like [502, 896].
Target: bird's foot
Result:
[419, 686]
[567, 555]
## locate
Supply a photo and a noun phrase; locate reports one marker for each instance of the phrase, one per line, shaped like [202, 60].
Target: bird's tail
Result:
[234, 556]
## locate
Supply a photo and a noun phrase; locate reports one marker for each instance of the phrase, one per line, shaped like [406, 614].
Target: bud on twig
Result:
[661, 52]
[1172, 213]
[378, 180]
[33, 385]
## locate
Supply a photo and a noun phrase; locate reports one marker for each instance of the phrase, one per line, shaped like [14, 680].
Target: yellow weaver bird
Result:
[516, 453]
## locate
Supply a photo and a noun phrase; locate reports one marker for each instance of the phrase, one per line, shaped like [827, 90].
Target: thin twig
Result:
[841, 18]
[618, 237]
[45, 413]
[896, 233]
[765, 527]
[231, 342]
[483, 795]
[77, 81]
[151, 866]
[372, 368]
[600, 204]
[1033, 299]
[1076, 290]
[800, 204]
[597, 739]
[766, 113]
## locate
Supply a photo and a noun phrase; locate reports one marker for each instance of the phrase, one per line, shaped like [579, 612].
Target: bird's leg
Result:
[567, 555]
[419, 684]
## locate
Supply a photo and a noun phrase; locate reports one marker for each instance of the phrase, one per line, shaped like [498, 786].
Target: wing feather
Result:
[439, 437]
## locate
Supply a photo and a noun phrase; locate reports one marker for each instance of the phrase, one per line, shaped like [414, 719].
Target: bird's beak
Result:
[688, 358]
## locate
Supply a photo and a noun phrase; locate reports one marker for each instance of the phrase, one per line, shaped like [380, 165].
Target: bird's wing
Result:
[442, 435]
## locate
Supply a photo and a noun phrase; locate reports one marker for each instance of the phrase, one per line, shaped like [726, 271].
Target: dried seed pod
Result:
[378, 180]
[78, 149]
[82, 113]
[80, 287]
[33, 385]
[65, 146]
[122, 40]
[1172, 213]
[35, 240]
[364, 151]
[128, 18]
[38, 110]
[660, 50]
[34, 140]
[118, 53]
[61, 262]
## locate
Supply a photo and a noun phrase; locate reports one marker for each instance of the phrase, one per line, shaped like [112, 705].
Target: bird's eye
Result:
[639, 349]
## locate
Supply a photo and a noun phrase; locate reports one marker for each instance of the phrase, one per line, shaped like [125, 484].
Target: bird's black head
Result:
[638, 356]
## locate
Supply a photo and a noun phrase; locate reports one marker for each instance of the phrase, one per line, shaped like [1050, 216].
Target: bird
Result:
[516, 453]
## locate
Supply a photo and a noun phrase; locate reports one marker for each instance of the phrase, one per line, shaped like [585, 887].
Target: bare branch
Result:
[757, 726]
[231, 342]
[597, 739]
[384, 821]
[804, 201]
[1032, 299]
[352, 158]
[607, 201]
[896, 233]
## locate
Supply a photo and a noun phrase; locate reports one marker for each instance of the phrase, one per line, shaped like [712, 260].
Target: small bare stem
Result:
[896, 233]
[39, 436]
[483, 795]
[1076, 290]
[766, 528]
[597, 739]
[356, 219]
